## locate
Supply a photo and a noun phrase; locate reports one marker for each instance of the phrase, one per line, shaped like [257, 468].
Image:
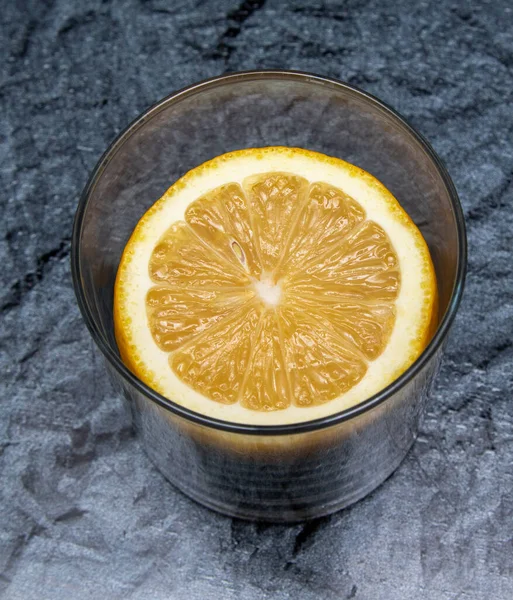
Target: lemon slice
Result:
[272, 286]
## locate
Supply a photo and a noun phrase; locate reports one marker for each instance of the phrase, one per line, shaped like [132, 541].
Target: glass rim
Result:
[290, 428]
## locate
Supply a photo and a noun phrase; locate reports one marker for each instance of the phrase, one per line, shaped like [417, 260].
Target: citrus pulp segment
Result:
[273, 285]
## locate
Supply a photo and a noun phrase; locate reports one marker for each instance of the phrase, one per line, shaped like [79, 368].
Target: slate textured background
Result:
[83, 514]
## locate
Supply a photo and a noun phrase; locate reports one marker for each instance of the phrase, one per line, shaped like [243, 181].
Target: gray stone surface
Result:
[83, 514]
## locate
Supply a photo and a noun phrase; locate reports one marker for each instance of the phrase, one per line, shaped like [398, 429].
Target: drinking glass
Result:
[279, 473]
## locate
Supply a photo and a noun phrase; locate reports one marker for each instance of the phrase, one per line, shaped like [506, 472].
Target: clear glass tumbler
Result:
[274, 473]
